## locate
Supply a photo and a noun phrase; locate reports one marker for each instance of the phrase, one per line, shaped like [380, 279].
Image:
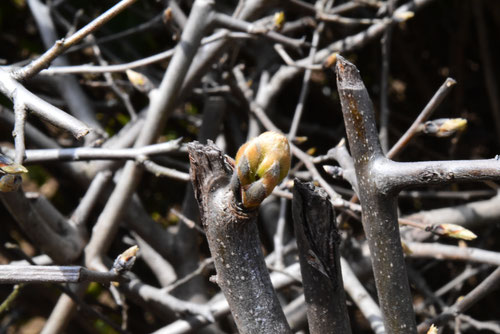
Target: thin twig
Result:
[290, 62]
[447, 252]
[15, 91]
[203, 265]
[362, 298]
[191, 224]
[82, 212]
[162, 171]
[431, 106]
[161, 106]
[91, 153]
[63, 44]
[80, 69]
[124, 97]
[479, 292]
[7, 303]
[347, 21]
[230, 22]
[54, 274]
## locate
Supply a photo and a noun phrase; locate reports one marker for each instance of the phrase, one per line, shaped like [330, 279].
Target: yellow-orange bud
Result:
[10, 174]
[260, 165]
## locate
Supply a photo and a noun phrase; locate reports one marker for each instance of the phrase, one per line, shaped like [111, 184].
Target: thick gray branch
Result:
[235, 246]
[379, 210]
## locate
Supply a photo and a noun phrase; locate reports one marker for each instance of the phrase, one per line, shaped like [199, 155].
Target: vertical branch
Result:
[235, 246]
[379, 210]
[318, 242]
[18, 133]
[160, 107]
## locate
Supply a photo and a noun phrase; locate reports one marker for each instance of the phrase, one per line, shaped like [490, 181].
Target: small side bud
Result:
[167, 15]
[279, 20]
[444, 127]
[260, 165]
[10, 174]
[455, 231]
[139, 81]
[299, 140]
[432, 330]
[125, 261]
[330, 61]
[335, 171]
[404, 16]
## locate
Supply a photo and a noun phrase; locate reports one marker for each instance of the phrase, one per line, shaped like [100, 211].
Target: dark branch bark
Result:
[235, 246]
[318, 241]
[379, 210]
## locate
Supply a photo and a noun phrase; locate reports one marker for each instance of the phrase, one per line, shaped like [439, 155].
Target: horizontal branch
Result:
[393, 175]
[63, 44]
[468, 215]
[230, 22]
[92, 153]
[447, 252]
[79, 69]
[10, 274]
[374, 31]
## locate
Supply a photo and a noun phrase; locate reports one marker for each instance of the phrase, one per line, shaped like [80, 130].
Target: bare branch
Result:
[10, 274]
[435, 101]
[447, 252]
[18, 94]
[90, 153]
[362, 298]
[479, 292]
[62, 45]
[18, 133]
[159, 170]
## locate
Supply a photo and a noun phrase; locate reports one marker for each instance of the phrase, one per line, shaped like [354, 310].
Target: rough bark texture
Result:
[235, 246]
[379, 210]
[318, 242]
